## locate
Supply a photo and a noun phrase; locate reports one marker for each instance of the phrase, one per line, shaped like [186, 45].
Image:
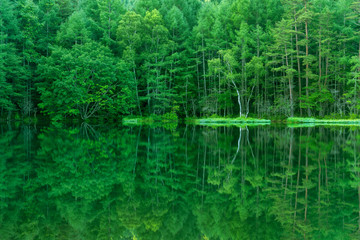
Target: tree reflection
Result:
[94, 182]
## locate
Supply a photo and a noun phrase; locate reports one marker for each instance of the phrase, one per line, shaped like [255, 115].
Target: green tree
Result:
[11, 71]
[130, 33]
[83, 81]
[282, 55]
[110, 12]
[74, 31]
[157, 45]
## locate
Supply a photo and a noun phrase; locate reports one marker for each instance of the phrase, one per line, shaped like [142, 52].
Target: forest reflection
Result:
[98, 182]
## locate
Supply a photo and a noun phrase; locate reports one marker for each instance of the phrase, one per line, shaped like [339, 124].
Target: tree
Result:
[74, 31]
[130, 33]
[355, 6]
[50, 24]
[83, 81]
[11, 72]
[282, 53]
[110, 12]
[308, 59]
[29, 22]
[157, 45]
[231, 75]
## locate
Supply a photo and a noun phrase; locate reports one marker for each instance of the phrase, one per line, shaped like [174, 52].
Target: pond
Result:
[102, 182]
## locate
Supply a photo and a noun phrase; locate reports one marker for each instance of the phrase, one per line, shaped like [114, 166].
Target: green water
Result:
[102, 182]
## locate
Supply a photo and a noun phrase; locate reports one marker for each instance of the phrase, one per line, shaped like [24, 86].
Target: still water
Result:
[100, 182]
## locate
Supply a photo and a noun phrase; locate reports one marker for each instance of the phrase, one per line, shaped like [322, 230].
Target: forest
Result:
[89, 59]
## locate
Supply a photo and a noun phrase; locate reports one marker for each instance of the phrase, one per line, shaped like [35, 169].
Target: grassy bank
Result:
[228, 121]
[314, 121]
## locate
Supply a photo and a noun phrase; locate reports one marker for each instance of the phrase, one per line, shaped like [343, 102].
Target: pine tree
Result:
[130, 33]
[282, 52]
[157, 46]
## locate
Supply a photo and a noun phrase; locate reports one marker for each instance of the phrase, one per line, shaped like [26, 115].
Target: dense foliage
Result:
[87, 58]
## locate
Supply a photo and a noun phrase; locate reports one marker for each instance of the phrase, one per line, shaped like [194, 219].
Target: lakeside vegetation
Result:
[108, 59]
[221, 121]
[323, 121]
[215, 120]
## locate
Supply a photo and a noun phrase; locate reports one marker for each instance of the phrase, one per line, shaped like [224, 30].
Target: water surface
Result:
[100, 182]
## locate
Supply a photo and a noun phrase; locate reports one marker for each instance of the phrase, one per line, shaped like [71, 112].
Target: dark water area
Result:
[102, 182]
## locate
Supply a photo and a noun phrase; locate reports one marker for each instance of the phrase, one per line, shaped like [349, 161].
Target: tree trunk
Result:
[319, 83]
[239, 97]
[307, 63]
[298, 60]
[290, 84]
[203, 60]
[137, 91]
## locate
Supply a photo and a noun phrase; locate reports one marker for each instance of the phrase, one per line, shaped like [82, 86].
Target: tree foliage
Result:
[165, 54]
